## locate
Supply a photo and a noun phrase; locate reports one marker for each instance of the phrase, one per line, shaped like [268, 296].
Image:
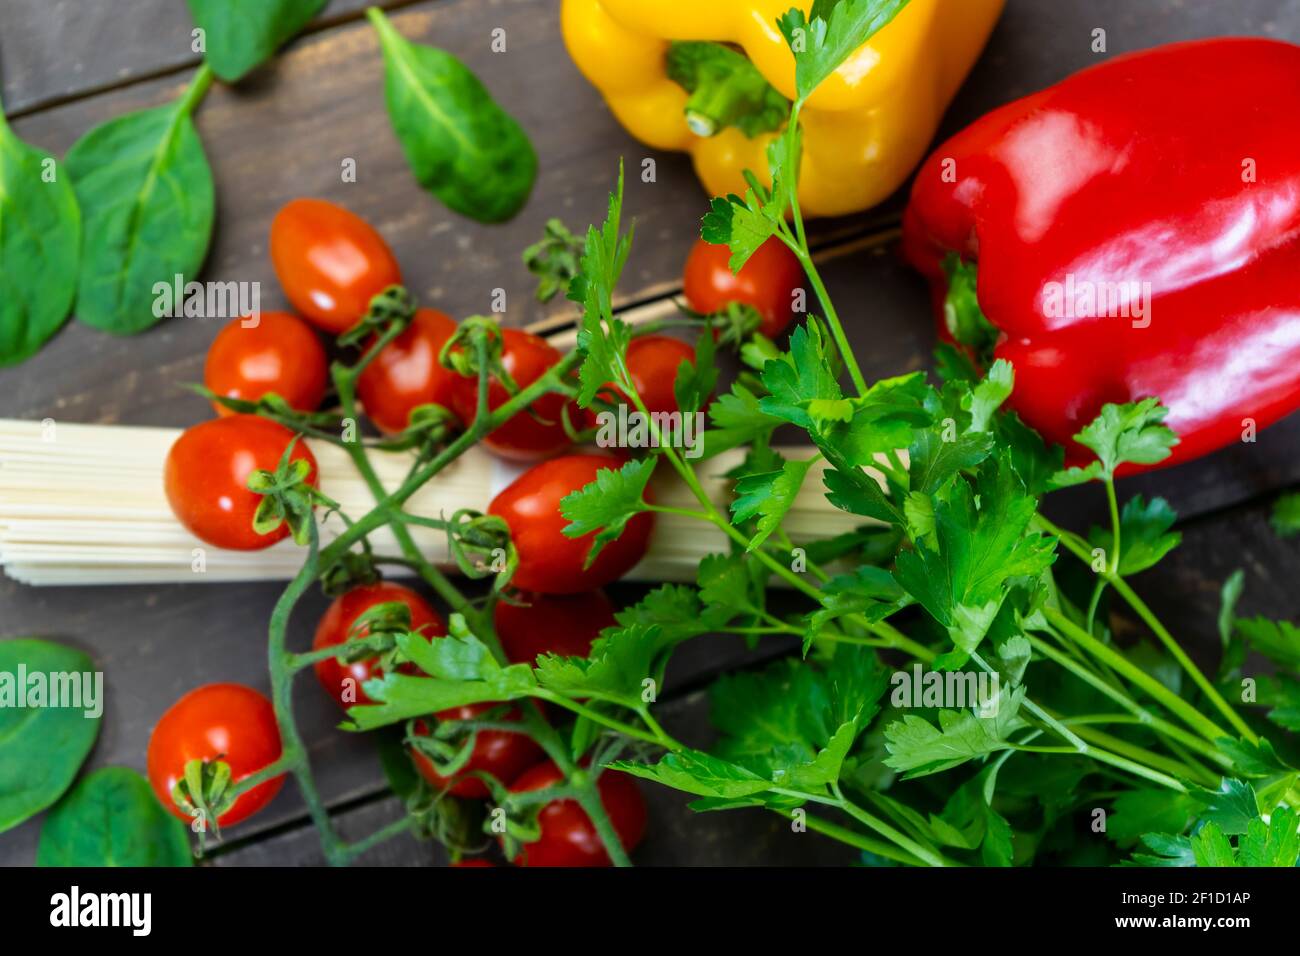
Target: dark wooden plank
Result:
[55, 50]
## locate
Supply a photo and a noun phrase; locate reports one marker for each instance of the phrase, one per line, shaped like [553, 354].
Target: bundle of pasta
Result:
[84, 504]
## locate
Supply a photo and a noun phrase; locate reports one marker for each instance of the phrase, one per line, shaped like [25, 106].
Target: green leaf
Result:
[602, 338]
[823, 40]
[738, 420]
[980, 547]
[1286, 514]
[1279, 641]
[1229, 595]
[962, 314]
[1134, 432]
[917, 748]
[726, 585]
[112, 818]
[989, 393]
[147, 204]
[607, 504]
[769, 496]
[878, 422]
[1145, 811]
[869, 591]
[1144, 534]
[1211, 847]
[461, 145]
[676, 610]
[243, 34]
[620, 662]
[41, 746]
[1276, 843]
[461, 671]
[696, 379]
[800, 377]
[932, 461]
[693, 771]
[740, 224]
[1170, 850]
[726, 90]
[40, 246]
[793, 723]
[1232, 806]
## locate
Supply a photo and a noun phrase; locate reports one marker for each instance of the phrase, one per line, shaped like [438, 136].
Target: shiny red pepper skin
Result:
[1136, 170]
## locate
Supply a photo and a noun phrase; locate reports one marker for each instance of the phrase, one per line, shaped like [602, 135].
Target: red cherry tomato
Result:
[549, 562]
[502, 754]
[331, 262]
[227, 722]
[767, 282]
[652, 361]
[279, 354]
[206, 478]
[523, 437]
[406, 374]
[343, 682]
[565, 624]
[568, 837]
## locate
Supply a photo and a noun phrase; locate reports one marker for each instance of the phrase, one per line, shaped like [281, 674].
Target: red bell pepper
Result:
[1164, 186]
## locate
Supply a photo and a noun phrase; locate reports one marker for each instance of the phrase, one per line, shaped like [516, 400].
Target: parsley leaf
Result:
[918, 748]
[1144, 535]
[461, 671]
[607, 504]
[739, 421]
[1279, 641]
[979, 546]
[962, 315]
[621, 660]
[1134, 432]
[823, 39]
[770, 496]
[1286, 514]
[602, 337]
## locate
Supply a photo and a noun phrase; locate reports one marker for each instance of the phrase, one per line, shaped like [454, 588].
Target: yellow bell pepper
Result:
[864, 129]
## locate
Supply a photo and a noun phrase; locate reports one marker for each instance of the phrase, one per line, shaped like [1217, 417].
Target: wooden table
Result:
[68, 65]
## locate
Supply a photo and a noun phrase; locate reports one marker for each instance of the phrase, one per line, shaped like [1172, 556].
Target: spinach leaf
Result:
[147, 198]
[111, 818]
[41, 747]
[40, 243]
[243, 34]
[460, 144]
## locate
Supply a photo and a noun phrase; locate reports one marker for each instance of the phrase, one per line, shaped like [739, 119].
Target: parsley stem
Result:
[931, 857]
[1140, 713]
[1136, 676]
[853, 838]
[1073, 543]
[1113, 503]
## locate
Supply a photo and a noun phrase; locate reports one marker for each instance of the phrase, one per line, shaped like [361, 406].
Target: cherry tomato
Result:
[279, 354]
[568, 837]
[406, 374]
[227, 722]
[652, 361]
[343, 681]
[331, 262]
[565, 624]
[206, 478]
[502, 754]
[549, 562]
[523, 437]
[767, 282]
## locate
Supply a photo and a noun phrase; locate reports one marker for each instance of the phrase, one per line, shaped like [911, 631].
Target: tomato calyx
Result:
[394, 307]
[428, 428]
[555, 259]
[477, 344]
[287, 497]
[352, 570]
[481, 546]
[204, 793]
